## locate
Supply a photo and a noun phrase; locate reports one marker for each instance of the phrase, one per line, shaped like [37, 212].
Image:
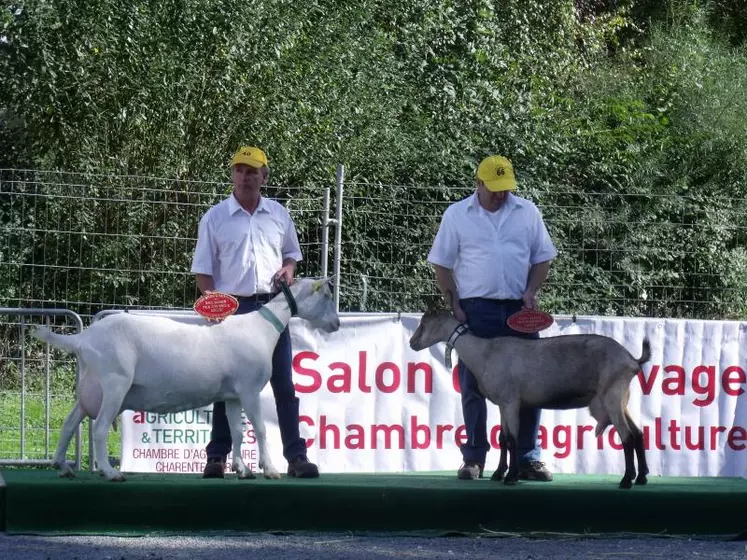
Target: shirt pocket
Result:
[272, 236]
[229, 243]
[517, 239]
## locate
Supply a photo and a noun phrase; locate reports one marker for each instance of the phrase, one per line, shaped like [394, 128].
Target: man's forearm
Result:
[205, 283]
[537, 275]
[447, 285]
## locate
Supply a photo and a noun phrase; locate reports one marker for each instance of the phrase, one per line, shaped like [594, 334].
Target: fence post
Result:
[325, 233]
[22, 337]
[338, 234]
[47, 385]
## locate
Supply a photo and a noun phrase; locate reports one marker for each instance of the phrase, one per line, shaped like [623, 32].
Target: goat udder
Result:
[90, 395]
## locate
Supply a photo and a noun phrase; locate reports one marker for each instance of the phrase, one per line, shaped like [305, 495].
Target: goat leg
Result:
[510, 427]
[642, 478]
[111, 403]
[640, 451]
[628, 450]
[250, 401]
[233, 415]
[512, 478]
[74, 418]
[503, 461]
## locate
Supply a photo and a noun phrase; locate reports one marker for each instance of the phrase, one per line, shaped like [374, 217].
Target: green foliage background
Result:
[592, 100]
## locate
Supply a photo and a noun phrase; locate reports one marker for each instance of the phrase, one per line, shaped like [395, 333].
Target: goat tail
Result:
[646, 354]
[71, 343]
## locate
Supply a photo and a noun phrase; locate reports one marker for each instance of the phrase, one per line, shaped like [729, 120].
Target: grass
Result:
[40, 443]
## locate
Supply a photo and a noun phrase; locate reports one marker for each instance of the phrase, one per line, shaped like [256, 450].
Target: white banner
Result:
[371, 404]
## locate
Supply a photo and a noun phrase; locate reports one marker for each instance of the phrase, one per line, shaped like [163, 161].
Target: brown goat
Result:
[561, 372]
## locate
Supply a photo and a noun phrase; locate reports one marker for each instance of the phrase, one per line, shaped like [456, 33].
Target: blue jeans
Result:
[286, 402]
[487, 319]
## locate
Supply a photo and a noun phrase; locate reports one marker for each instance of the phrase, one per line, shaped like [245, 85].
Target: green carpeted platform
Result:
[36, 501]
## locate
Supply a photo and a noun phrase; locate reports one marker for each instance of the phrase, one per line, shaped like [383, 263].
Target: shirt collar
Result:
[234, 206]
[511, 201]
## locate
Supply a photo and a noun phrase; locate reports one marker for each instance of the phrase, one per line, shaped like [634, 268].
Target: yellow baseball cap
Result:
[497, 173]
[250, 156]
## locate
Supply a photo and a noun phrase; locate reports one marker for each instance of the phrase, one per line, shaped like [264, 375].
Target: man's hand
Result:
[285, 273]
[445, 281]
[530, 299]
[537, 275]
[459, 313]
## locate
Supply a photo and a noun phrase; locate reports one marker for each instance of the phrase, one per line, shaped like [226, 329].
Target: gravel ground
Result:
[354, 547]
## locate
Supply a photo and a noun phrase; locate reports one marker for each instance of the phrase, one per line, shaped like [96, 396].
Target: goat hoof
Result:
[626, 484]
[249, 475]
[117, 478]
[641, 480]
[66, 474]
[512, 478]
[272, 475]
[497, 476]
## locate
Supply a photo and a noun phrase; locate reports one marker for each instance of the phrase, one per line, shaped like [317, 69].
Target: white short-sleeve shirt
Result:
[243, 251]
[490, 253]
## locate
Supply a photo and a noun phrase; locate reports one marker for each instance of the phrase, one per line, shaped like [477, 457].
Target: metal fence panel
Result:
[90, 242]
[620, 254]
[37, 387]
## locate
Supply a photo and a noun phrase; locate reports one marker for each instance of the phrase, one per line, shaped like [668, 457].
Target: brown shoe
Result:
[214, 468]
[300, 467]
[470, 470]
[535, 470]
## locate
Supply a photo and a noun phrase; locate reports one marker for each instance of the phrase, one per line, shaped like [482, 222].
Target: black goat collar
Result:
[289, 296]
[460, 329]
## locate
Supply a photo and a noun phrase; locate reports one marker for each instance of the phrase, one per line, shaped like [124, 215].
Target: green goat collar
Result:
[270, 316]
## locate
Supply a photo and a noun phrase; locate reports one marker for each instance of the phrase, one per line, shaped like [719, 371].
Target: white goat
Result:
[156, 364]
[561, 372]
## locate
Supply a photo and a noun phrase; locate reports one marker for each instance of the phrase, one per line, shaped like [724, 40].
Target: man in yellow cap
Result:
[491, 254]
[247, 244]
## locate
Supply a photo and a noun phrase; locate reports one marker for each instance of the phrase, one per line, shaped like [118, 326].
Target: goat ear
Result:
[316, 286]
[433, 303]
[319, 283]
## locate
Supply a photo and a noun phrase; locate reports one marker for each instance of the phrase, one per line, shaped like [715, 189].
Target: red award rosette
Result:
[216, 305]
[530, 321]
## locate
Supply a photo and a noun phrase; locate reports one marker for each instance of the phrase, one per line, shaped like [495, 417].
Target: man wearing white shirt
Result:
[491, 254]
[246, 245]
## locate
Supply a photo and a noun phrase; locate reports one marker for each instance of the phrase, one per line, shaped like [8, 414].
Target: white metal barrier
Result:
[31, 453]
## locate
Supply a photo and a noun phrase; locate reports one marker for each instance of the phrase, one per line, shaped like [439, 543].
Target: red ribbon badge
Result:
[530, 321]
[216, 305]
